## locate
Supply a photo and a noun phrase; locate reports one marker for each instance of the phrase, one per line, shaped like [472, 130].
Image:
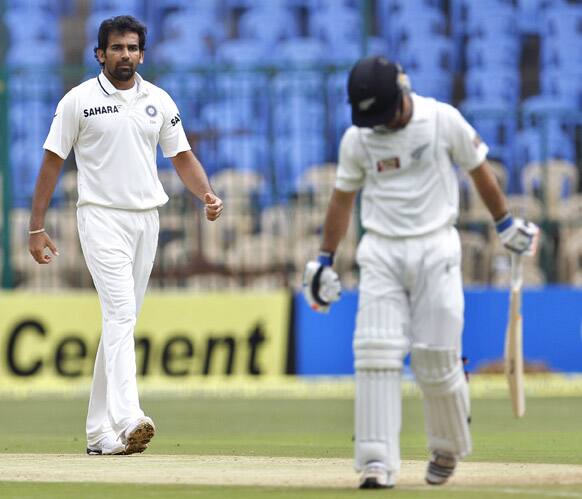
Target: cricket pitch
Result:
[259, 471]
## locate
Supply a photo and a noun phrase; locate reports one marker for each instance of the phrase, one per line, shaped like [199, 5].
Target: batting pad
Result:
[379, 341]
[439, 372]
[378, 418]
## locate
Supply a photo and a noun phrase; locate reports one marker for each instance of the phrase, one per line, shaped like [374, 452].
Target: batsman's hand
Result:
[38, 244]
[321, 284]
[212, 206]
[517, 235]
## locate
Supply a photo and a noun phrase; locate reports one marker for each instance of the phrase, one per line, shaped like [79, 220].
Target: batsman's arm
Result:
[194, 178]
[337, 219]
[489, 190]
[46, 182]
[517, 235]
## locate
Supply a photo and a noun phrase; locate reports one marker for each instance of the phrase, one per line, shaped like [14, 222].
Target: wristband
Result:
[37, 231]
[503, 223]
[326, 258]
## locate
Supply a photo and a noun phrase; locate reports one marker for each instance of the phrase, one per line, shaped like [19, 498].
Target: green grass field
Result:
[550, 433]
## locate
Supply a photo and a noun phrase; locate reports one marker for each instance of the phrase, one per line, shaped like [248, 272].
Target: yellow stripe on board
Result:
[290, 387]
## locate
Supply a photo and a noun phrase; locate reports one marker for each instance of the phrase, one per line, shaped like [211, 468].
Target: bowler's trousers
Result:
[119, 247]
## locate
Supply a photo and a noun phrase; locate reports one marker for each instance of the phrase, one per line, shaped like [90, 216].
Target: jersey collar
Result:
[108, 88]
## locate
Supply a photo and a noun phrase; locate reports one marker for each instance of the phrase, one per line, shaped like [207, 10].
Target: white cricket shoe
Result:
[376, 476]
[108, 445]
[440, 468]
[138, 434]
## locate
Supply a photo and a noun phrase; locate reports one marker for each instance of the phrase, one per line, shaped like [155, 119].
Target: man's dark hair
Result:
[119, 24]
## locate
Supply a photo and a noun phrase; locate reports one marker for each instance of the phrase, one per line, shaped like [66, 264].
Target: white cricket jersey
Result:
[115, 141]
[409, 184]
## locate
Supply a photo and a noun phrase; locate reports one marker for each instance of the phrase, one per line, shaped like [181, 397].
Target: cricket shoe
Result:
[440, 468]
[376, 476]
[137, 435]
[108, 445]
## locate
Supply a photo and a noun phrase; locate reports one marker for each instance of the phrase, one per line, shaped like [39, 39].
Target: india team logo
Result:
[151, 111]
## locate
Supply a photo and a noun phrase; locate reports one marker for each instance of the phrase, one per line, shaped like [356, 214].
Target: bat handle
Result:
[516, 271]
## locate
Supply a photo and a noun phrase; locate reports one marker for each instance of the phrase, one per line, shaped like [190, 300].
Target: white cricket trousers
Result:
[119, 247]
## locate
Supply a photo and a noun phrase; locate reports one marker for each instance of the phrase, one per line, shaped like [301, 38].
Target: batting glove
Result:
[321, 284]
[517, 235]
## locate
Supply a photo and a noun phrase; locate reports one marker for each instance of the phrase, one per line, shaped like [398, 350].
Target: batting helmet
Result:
[375, 89]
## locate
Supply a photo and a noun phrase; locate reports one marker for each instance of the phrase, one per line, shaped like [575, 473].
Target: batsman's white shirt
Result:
[115, 142]
[409, 185]
[411, 293]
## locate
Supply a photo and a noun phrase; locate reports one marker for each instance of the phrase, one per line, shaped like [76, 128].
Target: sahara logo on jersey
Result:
[175, 120]
[100, 110]
[388, 164]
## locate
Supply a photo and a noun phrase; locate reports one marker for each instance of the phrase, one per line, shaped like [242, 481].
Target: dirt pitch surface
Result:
[258, 471]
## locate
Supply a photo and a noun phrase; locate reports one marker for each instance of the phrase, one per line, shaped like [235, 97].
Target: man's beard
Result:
[123, 74]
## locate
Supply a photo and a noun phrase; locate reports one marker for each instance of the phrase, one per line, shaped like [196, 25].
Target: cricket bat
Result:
[513, 357]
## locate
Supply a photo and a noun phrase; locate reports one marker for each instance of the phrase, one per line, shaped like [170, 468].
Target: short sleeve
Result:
[350, 173]
[466, 147]
[64, 127]
[172, 136]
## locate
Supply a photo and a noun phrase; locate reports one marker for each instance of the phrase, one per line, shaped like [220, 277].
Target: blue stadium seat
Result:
[405, 27]
[199, 5]
[426, 54]
[225, 118]
[24, 25]
[562, 53]
[503, 84]
[181, 54]
[244, 53]
[562, 19]
[531, 145]
[89, 56]
[192, 25]
[30, 119]
[92, 24]
[255, 4]
[44, 6]
[437, 84]
[25, 159]
[247, 91]
[563, 85]
[243, 152]
[377, 46]
[34, 85]
[494, 124]
[268, 25]
[34, 54]
[530, 15]
[188, 90]
[561, 93]
[300, 52]
[499, 19]
[297, 101]
[333, 25]
[338, 110]
[332, 4]
[294, 154]
[495, 53]
[122, 6]
[224, 125]
[299, 112]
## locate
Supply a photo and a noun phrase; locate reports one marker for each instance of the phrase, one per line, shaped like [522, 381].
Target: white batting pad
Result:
[379, 347]
[439, 372]
[379, 341]
[378, 418]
